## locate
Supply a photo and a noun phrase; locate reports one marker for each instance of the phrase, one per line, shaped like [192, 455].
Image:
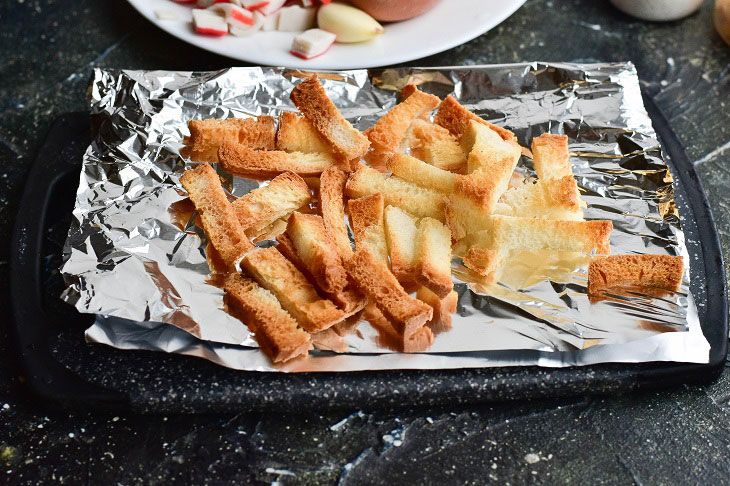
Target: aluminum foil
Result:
[136, 259]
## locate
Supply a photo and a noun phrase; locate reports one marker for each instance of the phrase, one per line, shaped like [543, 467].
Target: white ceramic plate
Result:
[449, 23]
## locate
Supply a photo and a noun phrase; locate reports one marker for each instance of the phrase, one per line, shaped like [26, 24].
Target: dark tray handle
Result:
[39, 371]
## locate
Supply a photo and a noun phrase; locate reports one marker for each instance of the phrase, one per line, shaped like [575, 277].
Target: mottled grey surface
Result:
[679, 436]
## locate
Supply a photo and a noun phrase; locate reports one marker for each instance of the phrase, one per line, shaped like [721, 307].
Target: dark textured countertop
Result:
[677, 436]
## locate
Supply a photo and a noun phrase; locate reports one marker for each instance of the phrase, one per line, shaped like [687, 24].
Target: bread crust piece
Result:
[660, 271]
[391, 128]
[455, 118]
[546, 198]
[312, 100]
[401, 234]
[219, 219]
[274, 329]
[418, 201]
[413, 170]
[207, 135]
[509, 232]
[434, 257]
[242, 161]
[366, 217]
[551, 159]
[298, 297]
[332, 205]
[297, 134]
[373, 279]
[258, 209]
[442, 308]
[485, 262]
[550, 156]
[487, 151]
[419, 341]
[348, 300]
[312, 243]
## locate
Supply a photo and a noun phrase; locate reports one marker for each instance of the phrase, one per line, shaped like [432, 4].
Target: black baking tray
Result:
[57, 366]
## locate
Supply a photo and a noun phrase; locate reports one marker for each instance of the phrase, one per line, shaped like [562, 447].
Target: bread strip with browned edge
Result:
[297, 134]
[283, 195]
[546, 198]
[332, 205]
[242, 161]
[487, 151]
[366, 217]
[419, 172]
[312, 100]
[373, 279]
[401, 234]
[348, 300]
[550, 156]
[420, 340]
[207, 135]
[275, 330]
[509, 232]
[659, 271]
[435, 145]
[314, 248]
[551, 159]
[216, 213]
[416, 200]
[299, 297]
[434, 257]
[390, 129]
[455, 118]
[442, 308]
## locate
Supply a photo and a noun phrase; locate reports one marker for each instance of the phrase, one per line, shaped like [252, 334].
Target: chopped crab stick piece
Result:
[253, 4]
[243, 30]
[272, 7]
[233, 14]
[312, 43]
[297, 19]
[209, 23]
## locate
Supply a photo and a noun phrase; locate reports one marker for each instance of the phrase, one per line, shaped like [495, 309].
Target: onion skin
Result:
[394, 10]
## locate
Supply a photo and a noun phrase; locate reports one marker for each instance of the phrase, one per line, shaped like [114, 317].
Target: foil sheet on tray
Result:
[136, 259]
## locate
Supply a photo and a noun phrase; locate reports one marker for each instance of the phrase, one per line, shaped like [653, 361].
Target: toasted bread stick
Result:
[217, 215]
[332, 205]
[297, 134]
[348, 300]
[485, 262]
[207, 135]
[312, 100]
[509, 232]
[366, 216]
[435, 145]
[434, 257]
[419, 341]
[242, 161]
[297, 296]
[259, 208]
[487, 151]
[550, 156]
[442, 308]
[454, 117]
[659, 271]
[390, 129]
[275, 330]
[546, 198]
[313, 246]
[551, 159]
[373, 279]
[401, 233]
[413, 170]
[416, 200]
